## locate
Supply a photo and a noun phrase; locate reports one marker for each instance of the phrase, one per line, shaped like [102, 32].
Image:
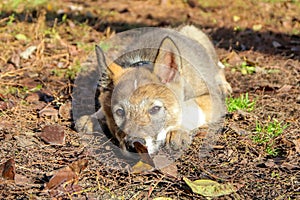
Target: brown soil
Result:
[35, 96]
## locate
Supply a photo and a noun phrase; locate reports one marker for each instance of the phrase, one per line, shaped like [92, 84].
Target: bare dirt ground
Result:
[43, 46]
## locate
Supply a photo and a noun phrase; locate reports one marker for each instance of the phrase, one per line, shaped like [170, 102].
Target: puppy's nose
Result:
[135, 140]
[136, 144]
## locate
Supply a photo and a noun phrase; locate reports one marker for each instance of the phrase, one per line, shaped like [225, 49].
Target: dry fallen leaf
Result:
[285, 89]
[21, 180]
[297, 145]
[49, 111]
[65, 110]
[62, 176]
[233, 59]
[33, 98]
[162, 198]
[209, 188]
[143, 153]
[79, 165]
[140, 167]
[170, 170]
[28, 52]
[162, 160]
[8, 169]
[290, 166]
[257, 27]
[53, 134]
[66, 174]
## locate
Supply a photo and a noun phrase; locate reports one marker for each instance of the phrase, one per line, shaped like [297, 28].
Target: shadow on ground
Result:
[267, 42]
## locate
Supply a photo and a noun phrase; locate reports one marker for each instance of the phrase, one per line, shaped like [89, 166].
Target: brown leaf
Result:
[49, 111]
[33, 98]
[71, 189]
[8, 169]
[6, 102]
[79, 165]
[170, 170]
[233, 59]
[297, 145]
[143, 153]
[62, 176]
[66, 174]
[65, 110]
[30, 83]
[162, 160]
[21, 180]
[5, 125]
[270, 163]
[285, 88]
[15, 59]
[53, 134]
[290, 166]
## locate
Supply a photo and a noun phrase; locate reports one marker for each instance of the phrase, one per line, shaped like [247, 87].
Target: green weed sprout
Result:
[266, 135]
[240, 103]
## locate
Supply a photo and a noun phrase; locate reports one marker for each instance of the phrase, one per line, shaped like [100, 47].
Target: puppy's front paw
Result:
[178, 140]
[87, 124]
[226, 88]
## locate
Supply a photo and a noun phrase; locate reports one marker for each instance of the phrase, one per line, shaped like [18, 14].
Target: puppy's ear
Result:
[101, 60]
[167, 64]
[114, 71]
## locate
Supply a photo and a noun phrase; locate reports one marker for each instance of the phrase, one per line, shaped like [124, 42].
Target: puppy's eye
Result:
[140, 63]
[154, 110]
[120, 112]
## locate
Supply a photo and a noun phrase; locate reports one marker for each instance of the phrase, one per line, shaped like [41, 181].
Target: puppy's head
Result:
[145, 101]
[145, 110]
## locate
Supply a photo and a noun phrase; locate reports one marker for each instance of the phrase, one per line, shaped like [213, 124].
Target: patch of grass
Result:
[52, 33]
[68, 73]
[73, 70]
[247, 68]
[266, 134]
[85, 46]
[18, 90]
[240, 103]
[11, 19]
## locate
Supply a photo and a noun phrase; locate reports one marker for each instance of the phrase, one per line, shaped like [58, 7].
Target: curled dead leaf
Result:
[143, 153]
[209, 188]
[62, 176]
[67, 174]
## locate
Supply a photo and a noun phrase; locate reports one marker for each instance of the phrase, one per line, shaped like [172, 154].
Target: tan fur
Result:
[156, 91]
[205, 103]
[116, 71]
